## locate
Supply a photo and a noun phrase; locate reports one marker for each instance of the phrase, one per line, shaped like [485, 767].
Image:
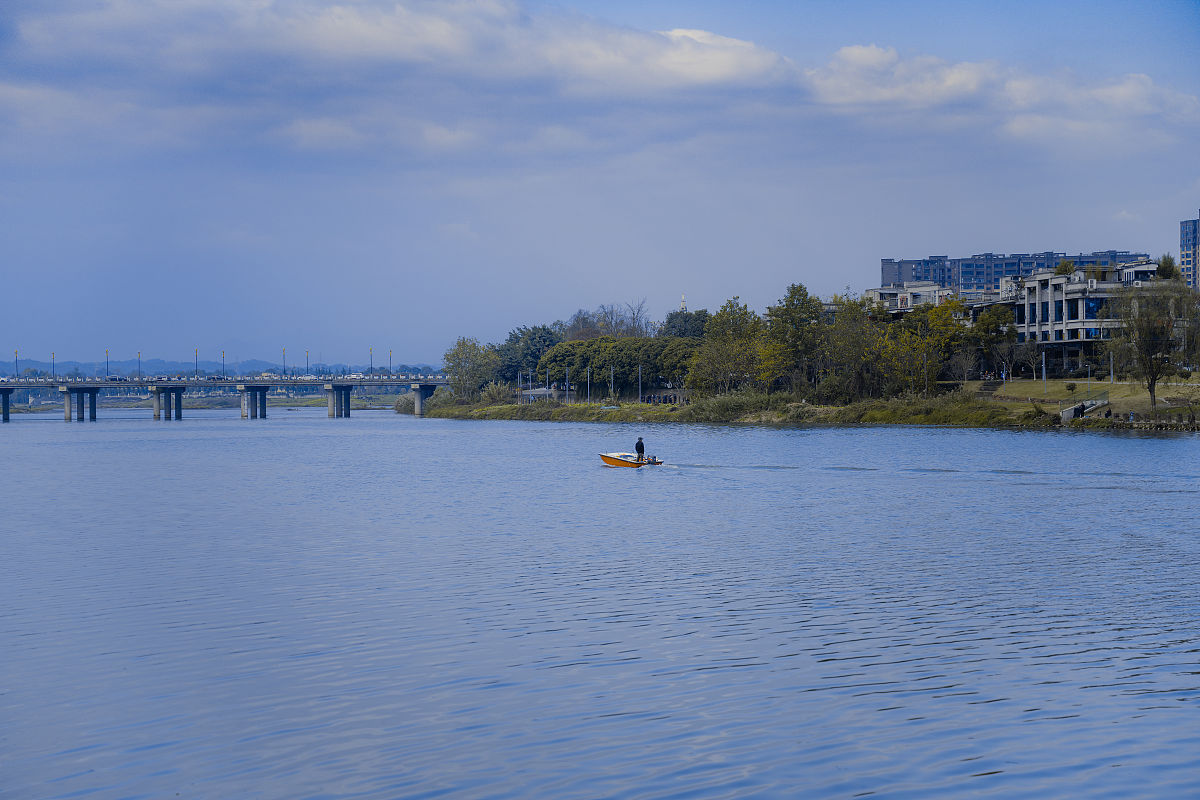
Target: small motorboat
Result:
[628, 460]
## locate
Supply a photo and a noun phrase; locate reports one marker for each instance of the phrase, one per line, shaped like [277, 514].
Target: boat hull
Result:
[627, 460]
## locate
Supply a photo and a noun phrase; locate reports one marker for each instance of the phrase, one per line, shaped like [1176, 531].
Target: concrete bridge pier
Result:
[421, 393]
[254, 401]
[339, 399]
[156, 399]
[179, 404]
[5, 403]
[167, 396]
[73, 396]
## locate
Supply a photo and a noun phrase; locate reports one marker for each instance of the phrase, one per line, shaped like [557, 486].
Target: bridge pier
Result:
[73, 395]
[254, 401]
[339, 399]
[421, 393]
[179, 404]
[5, 403]
[167, 396]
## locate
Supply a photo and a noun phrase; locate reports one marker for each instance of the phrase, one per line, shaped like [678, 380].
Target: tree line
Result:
[838, 352]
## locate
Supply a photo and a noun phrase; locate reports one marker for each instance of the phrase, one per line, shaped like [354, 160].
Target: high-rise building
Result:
[982, 272]
[1187, 249]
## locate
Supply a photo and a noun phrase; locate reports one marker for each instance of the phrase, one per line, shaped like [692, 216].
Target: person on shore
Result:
[641, 449]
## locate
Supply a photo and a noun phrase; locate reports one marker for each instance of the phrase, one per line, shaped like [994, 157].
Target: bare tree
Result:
[963, 363]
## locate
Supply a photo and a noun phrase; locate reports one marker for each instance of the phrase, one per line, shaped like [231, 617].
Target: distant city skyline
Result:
[250, 176]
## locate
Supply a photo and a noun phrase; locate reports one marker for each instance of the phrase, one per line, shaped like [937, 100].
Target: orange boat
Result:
[628, 460]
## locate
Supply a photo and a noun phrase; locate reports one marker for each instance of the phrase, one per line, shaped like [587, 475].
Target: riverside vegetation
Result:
[804, 361]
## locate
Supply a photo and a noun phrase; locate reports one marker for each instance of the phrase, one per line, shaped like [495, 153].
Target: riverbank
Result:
[966, 408]
[958, 410]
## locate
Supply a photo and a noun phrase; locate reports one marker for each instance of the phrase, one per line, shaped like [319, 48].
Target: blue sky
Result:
[251, 175]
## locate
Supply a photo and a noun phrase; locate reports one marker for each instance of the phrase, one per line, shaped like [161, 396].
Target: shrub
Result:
[497, 394]
[1071, 387]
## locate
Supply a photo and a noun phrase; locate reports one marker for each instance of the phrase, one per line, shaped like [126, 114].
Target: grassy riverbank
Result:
[959, 409]
[1021, 404]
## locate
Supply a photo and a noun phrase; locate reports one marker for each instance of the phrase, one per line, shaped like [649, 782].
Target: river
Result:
[386, 607]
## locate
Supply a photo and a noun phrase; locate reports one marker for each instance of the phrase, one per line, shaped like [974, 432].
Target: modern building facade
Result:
[977, 275]
[909, 295]
[1188, 230]
[1066, 313]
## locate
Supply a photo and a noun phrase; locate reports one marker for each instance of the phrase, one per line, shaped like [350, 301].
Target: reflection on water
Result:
[389, 607]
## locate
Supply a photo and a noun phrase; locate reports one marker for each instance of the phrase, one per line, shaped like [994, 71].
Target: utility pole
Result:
[611, 390]
[197, 373]
[139, 365]
[639, 383]
[106, 362]
[285, 361]
[222, 364]
[1044, 373]
[51, 363]
[372, 368]
[389, 361]
[568, 386]
[306, 362]
[589, 376]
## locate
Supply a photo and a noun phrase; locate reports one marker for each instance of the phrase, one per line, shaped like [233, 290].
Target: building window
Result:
[1058, 310]
[1045, 311]
[1045, 336]
[1058, 335]
[1092, 307]
[1072, 309]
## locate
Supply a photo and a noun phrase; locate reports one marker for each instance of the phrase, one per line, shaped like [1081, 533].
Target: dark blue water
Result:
[387, 607]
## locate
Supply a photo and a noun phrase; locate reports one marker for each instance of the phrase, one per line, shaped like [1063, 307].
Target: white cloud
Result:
[405, 73]
[871, 75]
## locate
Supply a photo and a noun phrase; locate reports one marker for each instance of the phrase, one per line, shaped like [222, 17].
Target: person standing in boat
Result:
[641, 449]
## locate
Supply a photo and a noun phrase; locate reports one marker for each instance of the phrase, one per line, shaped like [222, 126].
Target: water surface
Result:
[384, 607]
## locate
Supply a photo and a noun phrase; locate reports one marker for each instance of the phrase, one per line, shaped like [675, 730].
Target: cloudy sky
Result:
[250, 175]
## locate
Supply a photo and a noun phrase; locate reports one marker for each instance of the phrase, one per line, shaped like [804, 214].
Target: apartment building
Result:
[980, 274]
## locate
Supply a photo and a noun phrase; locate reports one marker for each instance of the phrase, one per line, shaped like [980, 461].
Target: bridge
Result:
[167, 393]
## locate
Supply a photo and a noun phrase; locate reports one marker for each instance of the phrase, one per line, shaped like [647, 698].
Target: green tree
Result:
[1158, 331]
[728, 354]
[469, 365]
[685, 323]
[1167, 268]
[523, 348]
[792, 338]
[1065, 267]
[849, 359]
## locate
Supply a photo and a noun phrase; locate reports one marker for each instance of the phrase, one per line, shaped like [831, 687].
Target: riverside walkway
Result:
[167, 393]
